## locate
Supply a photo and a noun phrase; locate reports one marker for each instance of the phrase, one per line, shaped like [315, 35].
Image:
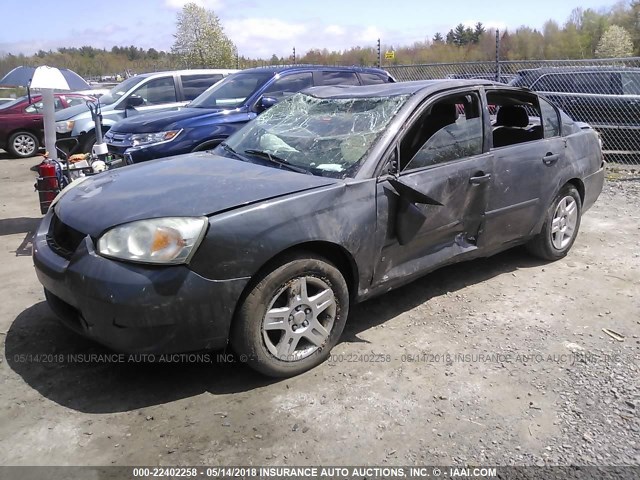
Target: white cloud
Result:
[336, 30]
[369, 35]
[262, 37]
[263, 28]
[209, 4]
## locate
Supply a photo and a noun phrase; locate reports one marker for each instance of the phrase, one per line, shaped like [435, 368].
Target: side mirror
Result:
[134, 101]
[266, 102]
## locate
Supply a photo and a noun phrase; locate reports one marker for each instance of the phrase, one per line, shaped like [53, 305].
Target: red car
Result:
[21, 126]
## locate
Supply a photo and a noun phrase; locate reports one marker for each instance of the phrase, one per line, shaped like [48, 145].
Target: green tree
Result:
[200, 40]
[615, 43]
[437, 38]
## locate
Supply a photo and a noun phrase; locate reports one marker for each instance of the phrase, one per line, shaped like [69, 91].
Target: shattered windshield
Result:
[231, 92]
[324, 136]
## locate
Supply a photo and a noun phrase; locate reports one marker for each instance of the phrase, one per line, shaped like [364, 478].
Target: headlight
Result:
[138, 139]
[171, 240]
[65, 126]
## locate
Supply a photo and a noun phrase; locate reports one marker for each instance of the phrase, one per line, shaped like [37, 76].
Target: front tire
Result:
[23, 144]
[561, 226]
[292, 317]
[88, 141]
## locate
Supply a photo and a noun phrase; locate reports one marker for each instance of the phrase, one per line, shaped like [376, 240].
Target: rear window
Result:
[194, 85]
[340, 78]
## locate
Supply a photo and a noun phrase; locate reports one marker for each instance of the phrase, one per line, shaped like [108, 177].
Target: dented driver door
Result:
[443, 220]
[433, 210]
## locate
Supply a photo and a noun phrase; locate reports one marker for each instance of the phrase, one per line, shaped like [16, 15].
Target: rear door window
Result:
[339, 78]
[38, 107]
[158, 91]
[554, 83]
[630, 83]
[289, 84]
[369, 78]
[194, 85]
[593, 82]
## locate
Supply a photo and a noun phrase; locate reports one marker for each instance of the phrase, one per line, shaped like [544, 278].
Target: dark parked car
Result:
[224, 109]
[333, 196]
[607, 98]
[21, 125]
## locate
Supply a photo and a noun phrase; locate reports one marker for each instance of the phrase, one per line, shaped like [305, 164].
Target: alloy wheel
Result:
[563, 225]
[299, 318]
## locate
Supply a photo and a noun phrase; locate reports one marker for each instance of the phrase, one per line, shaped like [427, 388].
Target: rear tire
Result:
[292, 317]
[561, 226]
[23, 144]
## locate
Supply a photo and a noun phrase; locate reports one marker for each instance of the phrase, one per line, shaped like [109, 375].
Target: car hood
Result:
[163, 121]
[194, 184]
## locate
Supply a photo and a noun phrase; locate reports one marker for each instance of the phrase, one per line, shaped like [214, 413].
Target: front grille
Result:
[63, 239]
[118, 139]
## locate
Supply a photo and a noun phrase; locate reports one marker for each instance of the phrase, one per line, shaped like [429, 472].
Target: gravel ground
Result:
[498, 361]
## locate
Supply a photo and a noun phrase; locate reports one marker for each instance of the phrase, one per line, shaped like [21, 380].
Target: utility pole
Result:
[379, 55]
[498, 65]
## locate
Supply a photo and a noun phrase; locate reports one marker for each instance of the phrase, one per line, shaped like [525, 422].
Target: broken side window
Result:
[518, 118]
[448, 130]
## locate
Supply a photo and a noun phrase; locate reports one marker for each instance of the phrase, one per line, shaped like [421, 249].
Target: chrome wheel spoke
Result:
[316, 334]
[299, 289]
[276, 319]
[555, 225]
[322, 301]
[287, 345]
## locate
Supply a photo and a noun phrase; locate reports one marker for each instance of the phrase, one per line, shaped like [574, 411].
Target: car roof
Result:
[400, 88]
[190, 71]
[293, 68]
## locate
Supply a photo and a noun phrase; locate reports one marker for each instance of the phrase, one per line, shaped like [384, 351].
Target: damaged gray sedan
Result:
[331, 197]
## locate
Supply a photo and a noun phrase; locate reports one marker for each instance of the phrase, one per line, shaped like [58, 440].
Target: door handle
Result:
[480, 178]
[550, 158]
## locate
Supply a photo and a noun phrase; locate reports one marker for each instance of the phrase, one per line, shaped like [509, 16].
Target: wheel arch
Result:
[336, 254]
[33, 131]
[333, 252]
[208, 144]
[576, 182]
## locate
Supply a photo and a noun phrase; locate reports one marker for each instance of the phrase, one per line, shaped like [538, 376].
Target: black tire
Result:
[88, 141]
[249, 339]
[23, 145]
[542, 245]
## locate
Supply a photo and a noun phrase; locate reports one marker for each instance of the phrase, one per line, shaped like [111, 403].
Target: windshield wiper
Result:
[277, 160]
[229, 149]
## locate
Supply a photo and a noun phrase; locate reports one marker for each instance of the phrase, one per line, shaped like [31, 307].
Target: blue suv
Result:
[224, 108]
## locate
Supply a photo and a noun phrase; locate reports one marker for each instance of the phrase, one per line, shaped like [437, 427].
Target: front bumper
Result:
[134, 308]
[137, 155]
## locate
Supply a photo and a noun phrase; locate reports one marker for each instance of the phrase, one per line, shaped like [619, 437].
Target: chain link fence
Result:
[604, 93]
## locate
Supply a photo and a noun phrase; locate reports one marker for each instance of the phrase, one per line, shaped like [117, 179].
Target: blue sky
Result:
[261, 28]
